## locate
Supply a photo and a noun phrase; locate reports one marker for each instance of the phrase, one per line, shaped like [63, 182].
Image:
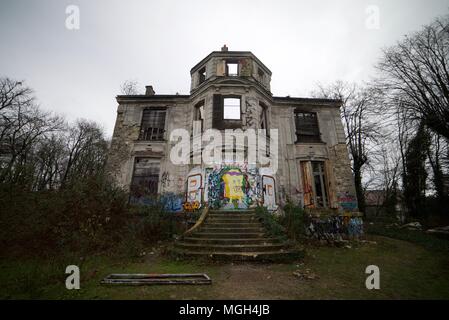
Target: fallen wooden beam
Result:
[156, 279]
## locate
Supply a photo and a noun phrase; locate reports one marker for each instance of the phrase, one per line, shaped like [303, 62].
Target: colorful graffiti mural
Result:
[334, 228]
[194, 188]
[232, 187]
[347, 202]
[233, 184]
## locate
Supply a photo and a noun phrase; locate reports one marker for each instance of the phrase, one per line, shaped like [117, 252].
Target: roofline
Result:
[335, 102]
[186, 97]
[143, 97]
[227, 54]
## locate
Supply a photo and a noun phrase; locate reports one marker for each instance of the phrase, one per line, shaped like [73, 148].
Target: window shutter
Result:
[221, 68]
[217, 112]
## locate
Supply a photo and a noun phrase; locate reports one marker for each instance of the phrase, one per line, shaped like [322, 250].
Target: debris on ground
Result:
[305, 275]
[368, 242]
[393, 225]
[439, 230]
[412, 226]
[157, 279]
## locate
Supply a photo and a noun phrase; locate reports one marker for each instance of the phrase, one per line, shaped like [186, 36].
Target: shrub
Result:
[270, 223]
[293, 221]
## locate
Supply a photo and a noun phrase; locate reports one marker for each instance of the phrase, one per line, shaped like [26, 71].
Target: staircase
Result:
[234, 235]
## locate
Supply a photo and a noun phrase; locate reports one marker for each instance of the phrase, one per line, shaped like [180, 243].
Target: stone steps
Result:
[231, 247]
[232, 219]
[235, 229]
[219, 225]
[274, 256]
[233, 235]
[246, 241]
[228, 235]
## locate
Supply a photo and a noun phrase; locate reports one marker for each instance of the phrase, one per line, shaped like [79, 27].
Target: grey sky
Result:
[78, 73]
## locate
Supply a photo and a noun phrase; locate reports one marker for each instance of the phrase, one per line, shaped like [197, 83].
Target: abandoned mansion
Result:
[306, 158]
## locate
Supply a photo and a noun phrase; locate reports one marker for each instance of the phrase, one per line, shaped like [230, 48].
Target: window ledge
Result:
[150, 141]
[319, 143]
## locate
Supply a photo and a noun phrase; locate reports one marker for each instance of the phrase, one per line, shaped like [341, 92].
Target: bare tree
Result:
[130, 87]
[86, 151]
[22, 124]
[38, 150]
[361, 131]
[417, 70]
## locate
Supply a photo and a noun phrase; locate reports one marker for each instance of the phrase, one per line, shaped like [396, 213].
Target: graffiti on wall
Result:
[191, 206]
[269, 199]
[347, 202]
[232, 187]
[334, 228]
[194, 192]
[172, 202]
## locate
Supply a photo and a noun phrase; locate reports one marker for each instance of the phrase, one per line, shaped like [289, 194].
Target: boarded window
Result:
[145, 177]
[153, 124]
[307, 127]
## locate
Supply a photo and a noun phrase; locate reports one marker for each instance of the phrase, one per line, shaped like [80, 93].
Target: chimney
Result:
[224, 48]
[149, 91]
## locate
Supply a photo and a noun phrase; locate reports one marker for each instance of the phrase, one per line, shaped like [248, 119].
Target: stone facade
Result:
[313, 164]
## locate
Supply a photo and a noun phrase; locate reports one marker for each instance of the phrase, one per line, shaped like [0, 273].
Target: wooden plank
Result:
[157, 279]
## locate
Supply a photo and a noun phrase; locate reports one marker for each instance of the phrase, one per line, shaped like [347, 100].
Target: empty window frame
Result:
[231, 108]
[307, 129]
[145, 179]
[319, 180]
[153, 124]
[264, 125]
[199, 116]
[263, 117]
[232, 68]
[202, 75]
[314, 184]
[260, 73]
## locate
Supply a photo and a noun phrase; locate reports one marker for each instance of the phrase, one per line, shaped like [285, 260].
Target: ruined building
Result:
[231, 90]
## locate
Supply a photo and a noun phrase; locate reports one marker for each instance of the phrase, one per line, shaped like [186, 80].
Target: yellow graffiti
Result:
[191, 206]
[233, 180]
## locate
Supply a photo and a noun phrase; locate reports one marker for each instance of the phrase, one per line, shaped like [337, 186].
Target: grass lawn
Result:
[407, 271]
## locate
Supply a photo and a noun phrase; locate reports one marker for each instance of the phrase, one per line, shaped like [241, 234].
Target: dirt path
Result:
[257, 281]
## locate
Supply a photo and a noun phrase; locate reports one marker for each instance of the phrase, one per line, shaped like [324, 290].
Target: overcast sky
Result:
[77, 73]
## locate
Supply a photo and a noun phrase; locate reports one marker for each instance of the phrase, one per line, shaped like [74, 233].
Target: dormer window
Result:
[232, 68]
[202, 75]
